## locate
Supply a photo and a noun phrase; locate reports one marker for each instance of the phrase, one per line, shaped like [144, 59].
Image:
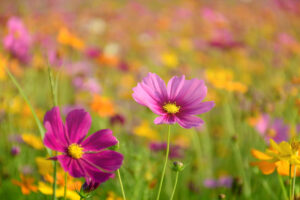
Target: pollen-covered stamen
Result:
[171, 108]
[75, 151]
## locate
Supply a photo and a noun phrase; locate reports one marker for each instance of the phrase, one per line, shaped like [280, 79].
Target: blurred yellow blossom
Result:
[144, 130]
[48, 190]
[169, 59]
[112, 196]
[223, 79]
[33, 140]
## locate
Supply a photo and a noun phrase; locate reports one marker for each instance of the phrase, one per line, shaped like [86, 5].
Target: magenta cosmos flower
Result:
[179, 101]
[81, 157]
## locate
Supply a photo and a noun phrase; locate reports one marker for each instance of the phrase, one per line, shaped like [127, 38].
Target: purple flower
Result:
[117, 119]
[275, 129]
[81, 157]
[210, 183]
[179, 101]
[175, 150]
[18, 40]
[224, 181]
[15, 150]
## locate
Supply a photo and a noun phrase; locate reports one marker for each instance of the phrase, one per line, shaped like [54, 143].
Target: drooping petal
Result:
[78, 123]
[105, 160]
[99, 140]
[71, 165]
[174, 86]
[189, 121]
[165, 119]
[55, 127]
[198, 108]
[192, 91]
[95, 174]
[265, 167]
[260, 155]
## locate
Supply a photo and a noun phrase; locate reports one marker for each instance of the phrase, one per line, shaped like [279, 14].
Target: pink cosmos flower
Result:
[275, 129]
[18, 41]
[81, 157]
[179, 101]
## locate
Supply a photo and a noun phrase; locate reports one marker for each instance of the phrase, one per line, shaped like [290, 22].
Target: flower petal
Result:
[99, 140]
[105, 160]
[189, 121]
[192, 91]
[95, 174]
[198, 108]
[55, 127]
[157, 85]
[53, 142]
[71, 165]
[151, 92]
[165, 119]
[174, 86]
[78, 124]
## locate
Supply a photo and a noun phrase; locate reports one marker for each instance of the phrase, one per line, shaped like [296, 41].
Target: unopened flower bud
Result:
[177, 166]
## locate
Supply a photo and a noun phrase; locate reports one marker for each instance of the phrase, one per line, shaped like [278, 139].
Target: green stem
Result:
[55, 104]
[165, 165]
[294, 181]
[53, 88]
[121, 184]
[54, 179]
[290, 181]
[282, 187]
[242, 170]
[176, 180]
[65, 187]
[37, 121]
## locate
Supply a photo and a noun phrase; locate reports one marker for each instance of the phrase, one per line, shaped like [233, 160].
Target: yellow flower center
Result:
[171, 108]
[75, 151]
[271, 132]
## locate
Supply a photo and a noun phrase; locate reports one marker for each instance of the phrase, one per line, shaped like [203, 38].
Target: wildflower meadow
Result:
[150, 100]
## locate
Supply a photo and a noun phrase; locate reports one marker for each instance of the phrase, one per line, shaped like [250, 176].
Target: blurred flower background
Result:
[247, 52]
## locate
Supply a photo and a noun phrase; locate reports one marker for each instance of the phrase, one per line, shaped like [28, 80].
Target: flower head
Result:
[18, 40]
[276, 129]
[81, 157]
[179, 101]
[278, 156]
[26, 184]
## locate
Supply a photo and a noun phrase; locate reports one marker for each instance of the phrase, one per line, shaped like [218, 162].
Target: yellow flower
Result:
[103, 106]
[169, 59]
[144, 130]
[112, 196]
[26, 184]
[33, 141]
[279, 156]
[44, 166]
[223, 79]
[3, 64]
[47, 190]
[66, 38]
[285, 151]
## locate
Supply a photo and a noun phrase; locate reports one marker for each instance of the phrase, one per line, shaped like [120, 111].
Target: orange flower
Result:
[267, 164]
[103, 106]
[26, 184]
